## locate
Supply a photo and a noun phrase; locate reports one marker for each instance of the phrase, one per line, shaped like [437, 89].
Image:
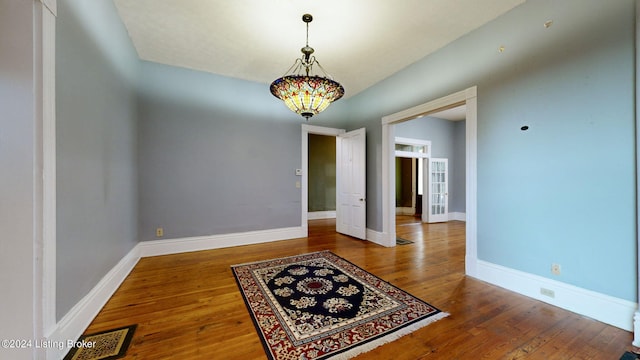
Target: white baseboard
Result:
[74, 323]
[610, 310]
[377, 237]
[601, 307]
[471, 265]
[317, 215]
[458, 216]
[175, 246]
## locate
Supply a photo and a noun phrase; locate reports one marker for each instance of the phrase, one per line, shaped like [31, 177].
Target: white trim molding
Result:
[471, 191]
[318, 215]
[52, 5]
[376, 237]
[457, 216]
[74, 323]
[636, 317]
[468, 97]
[601, 307]
[453, 216]
[197, 243]
[49, 169]
[445, 102]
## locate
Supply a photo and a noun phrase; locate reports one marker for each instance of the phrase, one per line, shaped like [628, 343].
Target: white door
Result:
[438, 191]
[351, 209]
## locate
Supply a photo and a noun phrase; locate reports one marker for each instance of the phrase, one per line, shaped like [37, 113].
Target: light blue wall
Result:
[216, 155]
[96, 119]
[447, 141]
[562, 192]
[21, 174]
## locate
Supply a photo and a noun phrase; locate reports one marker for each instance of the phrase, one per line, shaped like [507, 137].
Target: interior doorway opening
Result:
[308, 130]
[322, 177]
[468, 98]
[350, 175]
[429, 174]
[410, 156]
[408, 191]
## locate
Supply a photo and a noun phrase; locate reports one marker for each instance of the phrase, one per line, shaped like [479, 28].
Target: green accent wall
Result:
[322, 173]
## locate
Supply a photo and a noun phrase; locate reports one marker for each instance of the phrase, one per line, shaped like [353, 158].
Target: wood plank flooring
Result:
[187, 306]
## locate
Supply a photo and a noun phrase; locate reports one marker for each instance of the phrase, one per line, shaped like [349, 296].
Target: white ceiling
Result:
[359, 42]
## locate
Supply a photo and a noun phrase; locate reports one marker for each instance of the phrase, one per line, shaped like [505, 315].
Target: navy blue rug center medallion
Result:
[317, 291]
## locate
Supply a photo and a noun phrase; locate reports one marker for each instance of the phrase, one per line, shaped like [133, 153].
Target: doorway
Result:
[466, 97]
[322, 177]
[407, 187]
[438, 140]
[304, 173]
[412, 155]
[350, 179]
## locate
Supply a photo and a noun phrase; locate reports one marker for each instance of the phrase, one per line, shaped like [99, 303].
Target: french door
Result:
[438, 191]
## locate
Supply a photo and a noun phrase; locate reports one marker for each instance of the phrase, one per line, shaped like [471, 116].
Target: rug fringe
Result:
[388, 338]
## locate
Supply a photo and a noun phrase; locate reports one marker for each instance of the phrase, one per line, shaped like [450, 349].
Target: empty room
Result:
[186, 178]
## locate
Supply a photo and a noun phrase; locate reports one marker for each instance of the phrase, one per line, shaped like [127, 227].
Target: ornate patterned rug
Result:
[320, 306]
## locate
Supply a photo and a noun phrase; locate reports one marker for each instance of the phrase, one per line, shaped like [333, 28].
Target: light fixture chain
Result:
[327, 75]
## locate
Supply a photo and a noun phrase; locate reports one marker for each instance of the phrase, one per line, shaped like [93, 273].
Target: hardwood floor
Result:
[187, 306]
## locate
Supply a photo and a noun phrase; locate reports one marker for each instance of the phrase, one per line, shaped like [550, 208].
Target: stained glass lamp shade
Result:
[306, 94]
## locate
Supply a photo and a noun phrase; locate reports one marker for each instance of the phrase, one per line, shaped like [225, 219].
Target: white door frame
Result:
[306, 130]
[468, 97]
[636, 317]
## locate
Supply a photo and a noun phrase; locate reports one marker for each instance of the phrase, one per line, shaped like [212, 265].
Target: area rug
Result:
[105, 345]
[629, 356]
[321, 306]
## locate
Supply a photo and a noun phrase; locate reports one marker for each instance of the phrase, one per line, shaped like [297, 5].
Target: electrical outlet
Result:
[548, 292]
[556, 269]
[159, 232]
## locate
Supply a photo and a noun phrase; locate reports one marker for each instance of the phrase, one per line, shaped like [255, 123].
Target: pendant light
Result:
[302, 92]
